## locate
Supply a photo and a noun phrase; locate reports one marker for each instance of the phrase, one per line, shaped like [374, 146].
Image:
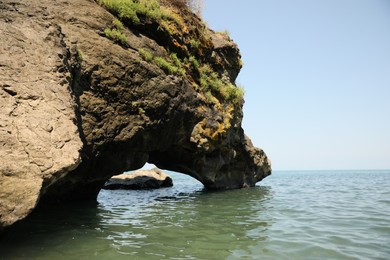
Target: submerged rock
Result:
[139, 180]
[87, 93]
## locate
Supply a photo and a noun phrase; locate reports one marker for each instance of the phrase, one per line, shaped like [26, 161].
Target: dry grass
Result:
[195, 5]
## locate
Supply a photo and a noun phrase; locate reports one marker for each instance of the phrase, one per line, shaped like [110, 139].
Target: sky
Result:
[316, 76]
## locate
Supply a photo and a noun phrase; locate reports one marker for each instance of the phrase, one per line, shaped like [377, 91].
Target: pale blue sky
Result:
[317, 79]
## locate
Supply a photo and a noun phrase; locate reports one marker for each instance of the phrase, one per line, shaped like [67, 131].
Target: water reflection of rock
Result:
[191, 225]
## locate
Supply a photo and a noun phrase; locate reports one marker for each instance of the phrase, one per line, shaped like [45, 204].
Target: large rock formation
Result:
[84, 97]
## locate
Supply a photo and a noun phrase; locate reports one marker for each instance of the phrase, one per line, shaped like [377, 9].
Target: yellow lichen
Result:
[203, 131]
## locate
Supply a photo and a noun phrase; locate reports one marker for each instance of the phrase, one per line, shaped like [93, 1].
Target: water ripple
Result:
[291, 215]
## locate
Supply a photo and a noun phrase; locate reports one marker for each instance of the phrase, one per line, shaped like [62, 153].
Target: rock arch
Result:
[78, 108]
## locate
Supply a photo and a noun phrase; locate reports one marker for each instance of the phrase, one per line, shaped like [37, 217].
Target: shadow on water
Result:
[48, 229]
[165, 223]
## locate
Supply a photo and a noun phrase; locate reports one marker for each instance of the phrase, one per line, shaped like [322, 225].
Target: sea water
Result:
[289, 215]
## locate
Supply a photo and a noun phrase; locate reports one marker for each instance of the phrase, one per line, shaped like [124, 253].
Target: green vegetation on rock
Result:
[168, 66]
[210, 81]
[116, 32]
[133, 10]
[79, 56]
[172, 66]
[146, 55]
[186, 40]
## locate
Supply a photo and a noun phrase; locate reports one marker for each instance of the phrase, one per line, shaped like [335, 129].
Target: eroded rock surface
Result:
[139, 180]
[39, 140]
[77, 107]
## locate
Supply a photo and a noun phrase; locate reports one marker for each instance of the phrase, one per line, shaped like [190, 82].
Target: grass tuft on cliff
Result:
[211, 82]
[170, 66]
[115, 33]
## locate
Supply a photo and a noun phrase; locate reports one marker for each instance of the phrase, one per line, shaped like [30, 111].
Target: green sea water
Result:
[289, 215]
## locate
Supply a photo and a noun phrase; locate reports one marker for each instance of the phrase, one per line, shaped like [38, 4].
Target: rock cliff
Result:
[90, 89]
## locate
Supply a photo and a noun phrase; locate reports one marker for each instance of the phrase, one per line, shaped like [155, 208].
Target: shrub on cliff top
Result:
[135, 10]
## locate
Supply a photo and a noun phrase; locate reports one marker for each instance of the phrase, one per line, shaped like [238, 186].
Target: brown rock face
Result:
[39, 140]
[77, 107]
[139, 180]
